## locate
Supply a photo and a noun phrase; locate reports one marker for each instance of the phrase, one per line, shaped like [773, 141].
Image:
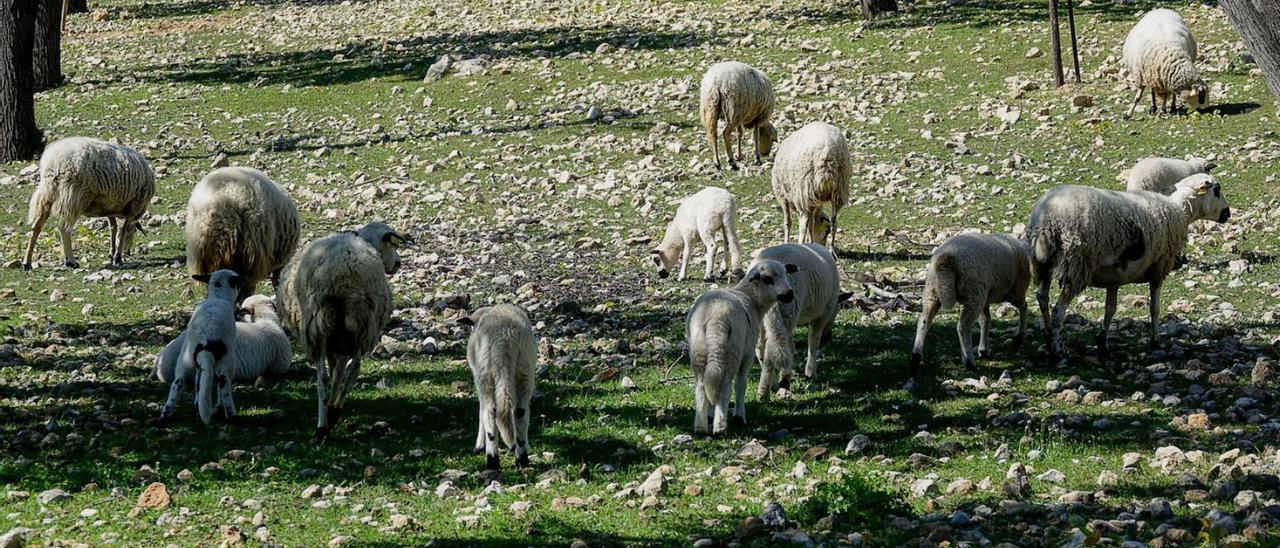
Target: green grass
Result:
[337, 106]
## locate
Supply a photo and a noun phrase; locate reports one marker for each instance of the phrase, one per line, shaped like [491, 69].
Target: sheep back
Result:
[737, 93]
[238, 218]
[87, 176]
[334, 296]
[966, 267]
[812, 167]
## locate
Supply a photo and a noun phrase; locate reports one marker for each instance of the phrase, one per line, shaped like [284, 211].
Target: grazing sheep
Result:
[210, 335]
[238, 218]
[1160, 54]
[85, 176]
[1089, 237]
[812, 167]
[700, 217]
[261, 349]
[1162, 174]
[335, 298]
[816, 283]
[503, 355]
[743, 97]
[722, 328]
[974, 270]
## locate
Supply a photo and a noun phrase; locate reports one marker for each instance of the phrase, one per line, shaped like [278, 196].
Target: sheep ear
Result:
[395, 239]
[844, 296]
[202, 278]
[755, 276]
[1210, 166]
[235, 281]
[792, 269]
[466, 320]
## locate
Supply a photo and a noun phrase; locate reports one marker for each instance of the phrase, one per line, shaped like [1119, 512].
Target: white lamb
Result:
[1089, 237]
[816, 283]
[1160, 54]
[210, 335]
[262, 348]
[86, 176]
[335, 298]
[976, 271]
[237, 218]
[812, 167]
[700, 217]
[503, 355]
[1162, 174]
[722, 329]
[743, 97]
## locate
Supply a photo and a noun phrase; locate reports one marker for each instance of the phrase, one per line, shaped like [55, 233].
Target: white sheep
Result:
[975, 271]
[1162, 174]
[701, 216]
[722, 328]
[1160, 54]
[262, 348]
[86, 176]
[1089, 237]
[812, 167]
[210, 336]
[743, 97]
[335, 298]
[503, 355]
[816, 283]
[238, 218]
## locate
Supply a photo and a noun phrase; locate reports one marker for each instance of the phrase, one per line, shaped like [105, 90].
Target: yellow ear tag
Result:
[1202, 191]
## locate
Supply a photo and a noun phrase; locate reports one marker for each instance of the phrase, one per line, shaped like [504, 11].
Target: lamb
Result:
[262, 348]
[743, 97]
[85, 176]
[700, 217]
[974, 270]
[816, 283]
[335, 298]
[240, 219]
[1160, 54]
[1162, 174]
[722, 328]
[812, 167]
[503, 355]
[1088, 237]
[210, 335]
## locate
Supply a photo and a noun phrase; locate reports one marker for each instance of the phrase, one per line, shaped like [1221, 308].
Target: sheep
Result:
[974, 270]
[503, 355]
[722, 328]
[812, 167]
[1162, 174]
[816, 284]
[335, 298]
[700, 217]
[86, 176]
[262, 348]
[1160, 54]
[210, 335]
[240, 219]
[1088, 237]
[743, 97]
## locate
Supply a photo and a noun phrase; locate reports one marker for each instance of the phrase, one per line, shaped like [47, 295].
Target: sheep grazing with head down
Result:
[210, 336]
[262, 349]
[813, 167]
[1089, 237]
[743, 97]
[1162, 174]
[1160, 54]
[84, 176]
[701, 216]
[335, 298]
[975, 271]
[237, 218]
[503, 355]
[722, 329]
[816, 283]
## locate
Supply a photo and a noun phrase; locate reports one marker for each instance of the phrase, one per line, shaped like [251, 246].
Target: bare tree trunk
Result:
[872, 9]
[78, 6]
[1055, 43]
[20, 139]
[47, 47]
[1075, 49]
[1258, 22]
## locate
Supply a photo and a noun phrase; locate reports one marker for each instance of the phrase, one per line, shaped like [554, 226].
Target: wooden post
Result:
[66, 6]
[1055, 41]
[1075, 50]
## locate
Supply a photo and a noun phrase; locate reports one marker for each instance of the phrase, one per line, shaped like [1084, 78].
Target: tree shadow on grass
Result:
[188, 8]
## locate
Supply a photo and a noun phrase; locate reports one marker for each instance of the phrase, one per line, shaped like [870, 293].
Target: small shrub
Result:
[858, 501]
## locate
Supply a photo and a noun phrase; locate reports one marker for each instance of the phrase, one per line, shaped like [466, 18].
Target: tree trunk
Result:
[872, 9]
[19, 137]
[1258, 22]
[1075, 49]
[47, 47]
[1055, 43]
[78, 6]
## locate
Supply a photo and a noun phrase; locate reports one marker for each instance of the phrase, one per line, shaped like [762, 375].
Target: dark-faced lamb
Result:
[503, 355]
[210, 336]
[702, 216]
[816, 286]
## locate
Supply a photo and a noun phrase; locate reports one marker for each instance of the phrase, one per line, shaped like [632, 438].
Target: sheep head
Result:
[258, 305]
[223, 284]
[387, 242]
[1197, 97]
[767, 282]
[1203, 198]
[664, 260]
[765, 135]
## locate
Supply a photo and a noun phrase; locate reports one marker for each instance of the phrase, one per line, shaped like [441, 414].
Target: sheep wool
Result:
[816, 283]
[1161, 175]
[743, 97]
[503, 355]
[813, 167]
[210, 335]
[1160, 54]
[84, 176]
[701, 216]
[262, 349]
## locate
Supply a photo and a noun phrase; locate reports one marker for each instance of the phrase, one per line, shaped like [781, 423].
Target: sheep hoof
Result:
[914, 365]
[26, 267]
[322, 433]
[785, 383]
[1017, 342]
[477, 450]
[984, 354]
[491, 462]
[971, 365]
[334, 414]
[73, 264]
[737, 421]
[522, 461]
[708, 278]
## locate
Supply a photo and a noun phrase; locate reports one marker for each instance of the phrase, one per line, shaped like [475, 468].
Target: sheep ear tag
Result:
[1201, 191]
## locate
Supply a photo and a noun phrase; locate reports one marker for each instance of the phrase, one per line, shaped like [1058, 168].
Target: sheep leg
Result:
[115, 239]
[489, 415]
[740, 391]
[713, 138]
[1021, 305]
[835, 214]
[322, 387]
[739, 143]
[479, 447]
[1153, 103]
[522, 429]
[1103, 348]
[767, 370]
[1066, 294]
[728, 145]
[786, 223]
[175, 392]
[64, 232]
[225, 401]
[731, 242]
[964, 328]
[1042, 299]
[685, 254]
[803, 234]
[1173, 103]
[1153, 306]
[36, 227]
[816, 331]
[710, 244]
[984, 322]
[928, 309]
[724, 389]
[1136, 101]
[700, 410]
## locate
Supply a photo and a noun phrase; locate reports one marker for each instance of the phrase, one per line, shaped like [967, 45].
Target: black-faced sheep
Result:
[503, 355]
[701, 216]
[743, 97]
[813, 167]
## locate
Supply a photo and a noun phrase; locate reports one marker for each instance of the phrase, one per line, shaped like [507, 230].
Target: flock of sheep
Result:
[333, 296]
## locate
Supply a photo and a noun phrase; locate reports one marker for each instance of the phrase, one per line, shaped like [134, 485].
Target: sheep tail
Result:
[206, 357]
[943, 273]
[41, 202]
[504, 404]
